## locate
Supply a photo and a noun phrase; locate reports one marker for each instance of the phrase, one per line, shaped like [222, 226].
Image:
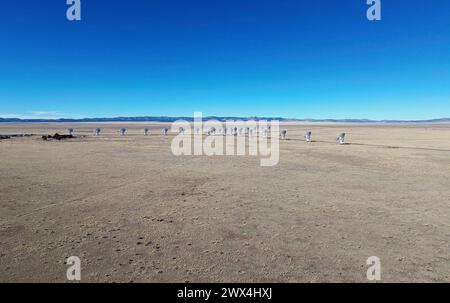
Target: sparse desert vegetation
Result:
[134, 212]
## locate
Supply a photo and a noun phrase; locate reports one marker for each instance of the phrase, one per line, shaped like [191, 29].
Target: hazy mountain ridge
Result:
[173, 119]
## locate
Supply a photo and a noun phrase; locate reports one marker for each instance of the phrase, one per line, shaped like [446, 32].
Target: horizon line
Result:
[220, 118]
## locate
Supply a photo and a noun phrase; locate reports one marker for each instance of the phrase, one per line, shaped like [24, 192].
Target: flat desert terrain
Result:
[132, 211]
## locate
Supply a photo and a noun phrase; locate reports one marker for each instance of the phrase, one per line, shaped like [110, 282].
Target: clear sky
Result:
[285, 58]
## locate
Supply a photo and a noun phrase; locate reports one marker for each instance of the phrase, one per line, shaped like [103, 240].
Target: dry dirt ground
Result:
[132, 211]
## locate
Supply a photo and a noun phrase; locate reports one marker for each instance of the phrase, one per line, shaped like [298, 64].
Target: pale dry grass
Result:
[134, 212]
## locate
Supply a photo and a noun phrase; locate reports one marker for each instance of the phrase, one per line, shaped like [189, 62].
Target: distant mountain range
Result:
[172, 119]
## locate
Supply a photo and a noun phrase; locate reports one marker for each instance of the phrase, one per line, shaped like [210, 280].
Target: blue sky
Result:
[294, 59]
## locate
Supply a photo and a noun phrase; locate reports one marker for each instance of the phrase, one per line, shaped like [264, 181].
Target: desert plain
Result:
[134, 212]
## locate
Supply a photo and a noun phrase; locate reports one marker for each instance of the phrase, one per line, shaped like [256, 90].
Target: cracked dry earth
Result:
[134, 212]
